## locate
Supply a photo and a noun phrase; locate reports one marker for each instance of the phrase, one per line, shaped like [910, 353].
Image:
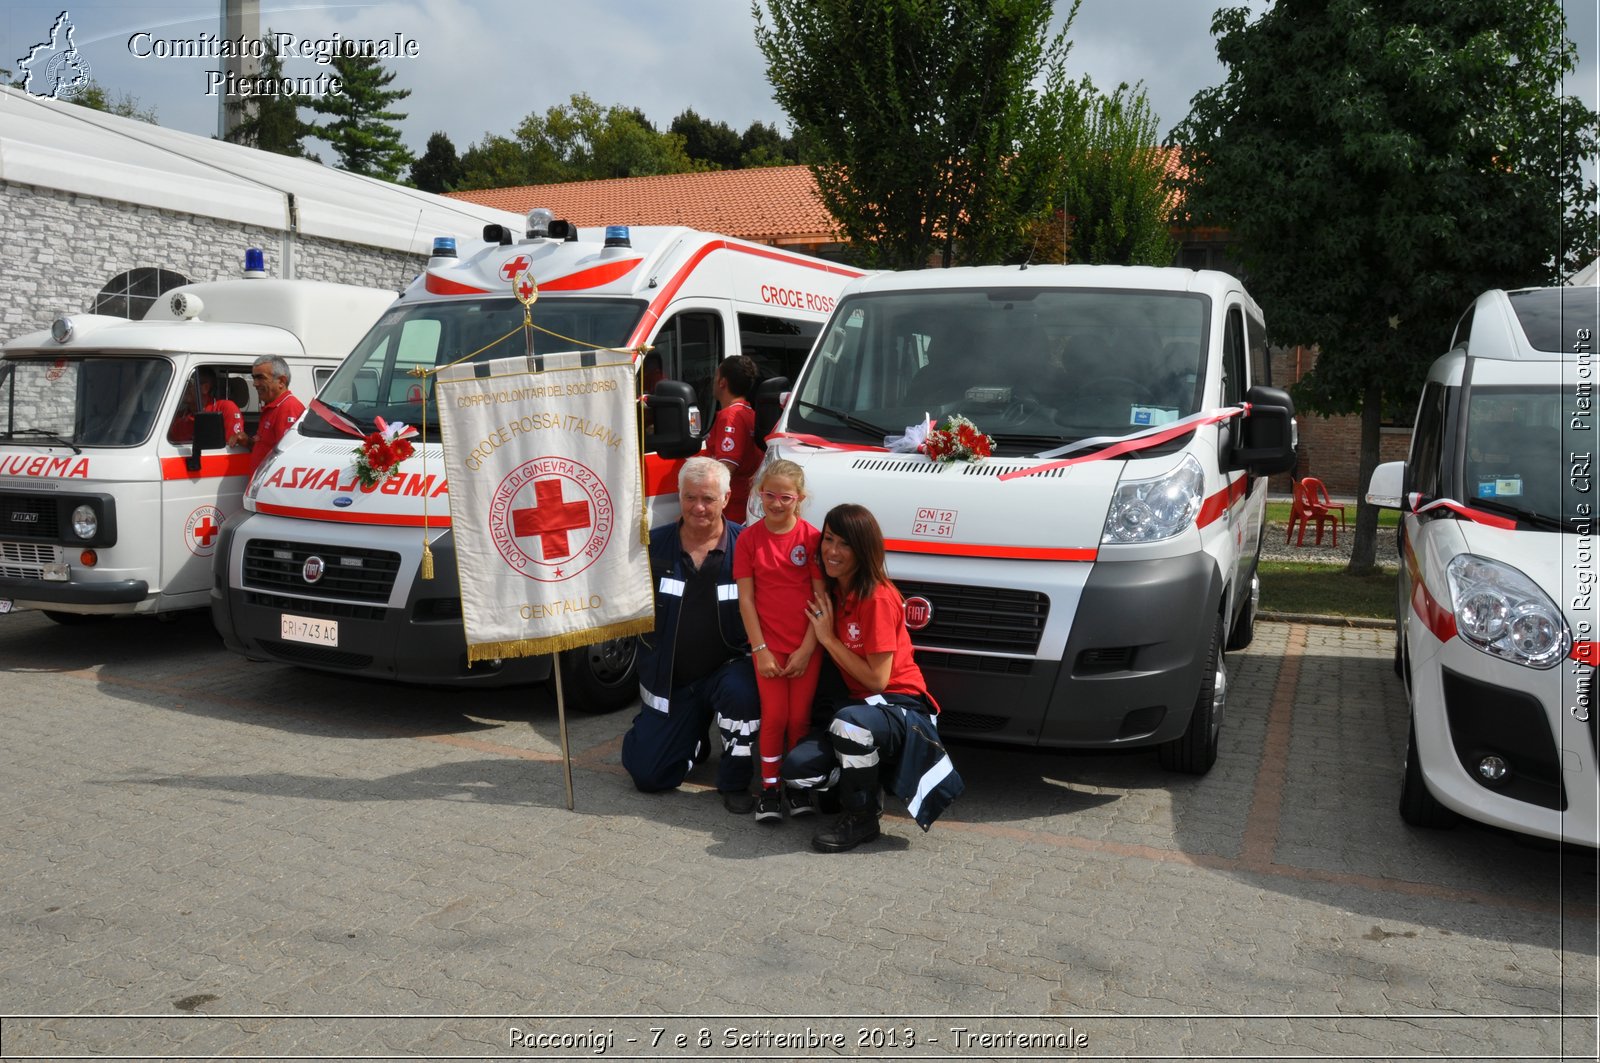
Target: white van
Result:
[325, 574]
[105, 508]
[1078, 605]
[1495, 634]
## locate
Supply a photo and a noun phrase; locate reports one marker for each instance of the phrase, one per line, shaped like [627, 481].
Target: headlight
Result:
[85, 522]
[1502, 612]
[1147, 511]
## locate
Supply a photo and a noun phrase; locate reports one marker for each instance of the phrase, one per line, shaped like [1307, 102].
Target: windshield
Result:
[1034, 368]
[1515, 462]
[376, 380]
[81, 401]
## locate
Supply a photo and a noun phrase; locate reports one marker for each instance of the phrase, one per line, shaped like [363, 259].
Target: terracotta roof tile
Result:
[774, 204]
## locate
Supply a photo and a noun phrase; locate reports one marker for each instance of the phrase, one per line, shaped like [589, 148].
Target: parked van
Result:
[1078, 588]
[1495, 606]
[325, 574]
[111, 495]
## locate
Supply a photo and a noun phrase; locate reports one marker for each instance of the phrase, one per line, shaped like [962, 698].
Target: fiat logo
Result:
[919, 613]
[313, 569]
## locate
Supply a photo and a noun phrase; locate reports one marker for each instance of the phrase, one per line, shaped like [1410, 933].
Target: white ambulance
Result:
[326, 574]
[1078, 587]
[1496, 617]
[112, 497]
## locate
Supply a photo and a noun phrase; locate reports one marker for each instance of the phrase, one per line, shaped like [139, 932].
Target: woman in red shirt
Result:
[887, 735]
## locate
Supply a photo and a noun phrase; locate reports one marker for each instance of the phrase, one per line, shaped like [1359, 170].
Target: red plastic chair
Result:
[1312, 505]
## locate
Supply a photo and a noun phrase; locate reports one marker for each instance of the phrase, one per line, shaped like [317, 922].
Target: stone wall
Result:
[62, 248]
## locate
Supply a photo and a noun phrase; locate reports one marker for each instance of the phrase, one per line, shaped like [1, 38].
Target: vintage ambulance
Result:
[111, 498]
[1078, 587]
[324, 573]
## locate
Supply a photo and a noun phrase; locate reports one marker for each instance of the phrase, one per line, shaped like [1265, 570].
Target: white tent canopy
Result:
[1589, 274]
[61, 146]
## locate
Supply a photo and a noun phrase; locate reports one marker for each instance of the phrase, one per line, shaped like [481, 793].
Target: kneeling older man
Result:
[694, 668]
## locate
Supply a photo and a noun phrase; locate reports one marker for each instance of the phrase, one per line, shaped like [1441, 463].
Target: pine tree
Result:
[359, 127]
[271, 119]
[439, 169]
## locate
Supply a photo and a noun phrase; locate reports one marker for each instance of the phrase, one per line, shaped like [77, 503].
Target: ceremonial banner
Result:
[546, 503]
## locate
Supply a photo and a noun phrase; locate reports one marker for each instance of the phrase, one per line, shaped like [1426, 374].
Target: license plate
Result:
[309, 629]
[5, 606]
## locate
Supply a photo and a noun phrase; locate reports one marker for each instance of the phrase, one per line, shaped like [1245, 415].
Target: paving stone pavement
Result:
[206, 857]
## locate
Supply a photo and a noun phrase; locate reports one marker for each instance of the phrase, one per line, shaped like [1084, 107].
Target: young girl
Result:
[775, 565]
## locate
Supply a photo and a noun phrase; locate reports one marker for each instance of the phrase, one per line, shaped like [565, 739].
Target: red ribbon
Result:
[1476, 516]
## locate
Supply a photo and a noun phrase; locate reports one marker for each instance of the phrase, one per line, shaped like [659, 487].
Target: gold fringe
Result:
[427, 559]
[488, 651]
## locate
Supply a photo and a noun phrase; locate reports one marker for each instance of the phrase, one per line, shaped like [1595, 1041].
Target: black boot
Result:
[847, 832]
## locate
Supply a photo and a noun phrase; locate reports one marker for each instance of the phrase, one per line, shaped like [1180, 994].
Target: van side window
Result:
[778, 345]
[1260, 358]
[1233, 358]
[1427, 443]
[690, 345]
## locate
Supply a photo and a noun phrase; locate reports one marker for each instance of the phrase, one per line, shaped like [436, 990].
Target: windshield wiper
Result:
[866, 428]
[48, 436]
[1527, 516]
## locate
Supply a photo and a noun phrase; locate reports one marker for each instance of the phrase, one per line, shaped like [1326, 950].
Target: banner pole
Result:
[561, 717]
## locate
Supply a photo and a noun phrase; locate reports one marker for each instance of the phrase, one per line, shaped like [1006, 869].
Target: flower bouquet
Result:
[957, 439]
[381, 452]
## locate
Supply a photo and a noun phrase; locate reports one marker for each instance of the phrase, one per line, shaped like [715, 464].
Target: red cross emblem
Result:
[200, 531]
[205, 531]
[526, 288]
[550, 519]
[514, 267]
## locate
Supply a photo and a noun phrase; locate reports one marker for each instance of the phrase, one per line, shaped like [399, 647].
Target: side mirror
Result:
[769, 404]
[1386, 488]
[207, 436]
[1266, 438]
[676, 414]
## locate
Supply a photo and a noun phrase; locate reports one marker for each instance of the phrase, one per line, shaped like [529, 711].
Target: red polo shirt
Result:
[277, 417]
[732, 441]
[878, 625]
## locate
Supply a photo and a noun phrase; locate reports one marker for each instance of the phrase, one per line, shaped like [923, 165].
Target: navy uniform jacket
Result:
[667, 572]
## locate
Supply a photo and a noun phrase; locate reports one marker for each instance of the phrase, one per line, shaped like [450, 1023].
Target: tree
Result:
[359, 127]
[1377, 166]
[95, 96]
[762, 145]
[925, 115]
[494, 162]
[709, 142]
[1114, 186]
[271, 117]
[439, 169]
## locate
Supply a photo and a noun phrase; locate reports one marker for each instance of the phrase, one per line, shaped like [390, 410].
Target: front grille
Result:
[351, 572]
[962, 662]
[970, 723]
[316, 607]
[315, 655]
[31, 516]
[987, 619]
[26, 560]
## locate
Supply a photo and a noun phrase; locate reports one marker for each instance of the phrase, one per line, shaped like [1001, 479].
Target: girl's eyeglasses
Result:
[774, 499]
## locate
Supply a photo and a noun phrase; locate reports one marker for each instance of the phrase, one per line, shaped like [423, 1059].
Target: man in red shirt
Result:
[279, 408]
[732, 439]
[182, 430]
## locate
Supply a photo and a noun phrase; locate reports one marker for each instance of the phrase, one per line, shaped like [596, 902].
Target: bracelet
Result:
[757, 649]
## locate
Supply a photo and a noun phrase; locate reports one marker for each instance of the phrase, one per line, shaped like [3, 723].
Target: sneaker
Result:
[847, 832]
[769, 807]
[739, 802]
[800, 803]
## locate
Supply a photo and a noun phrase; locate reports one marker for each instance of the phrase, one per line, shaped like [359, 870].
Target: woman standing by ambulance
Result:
[889, 723]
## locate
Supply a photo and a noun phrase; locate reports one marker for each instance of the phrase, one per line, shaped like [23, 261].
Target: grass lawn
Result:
[1309, 587]
[1278, 513]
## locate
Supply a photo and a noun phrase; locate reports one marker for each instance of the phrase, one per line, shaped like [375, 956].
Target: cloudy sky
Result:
[482, 66]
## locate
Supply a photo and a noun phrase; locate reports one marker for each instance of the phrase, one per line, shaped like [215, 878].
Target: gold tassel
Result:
[427, 561]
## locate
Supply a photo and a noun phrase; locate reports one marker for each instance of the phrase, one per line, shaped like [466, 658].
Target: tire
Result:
[1244, 626]
[602, 677]
[1418, 807]
[1195, 751]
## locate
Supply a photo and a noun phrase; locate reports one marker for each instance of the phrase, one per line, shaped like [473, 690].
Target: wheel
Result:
[601, 677]
[1418, 807]
[1244, 626]
[1194, 751]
